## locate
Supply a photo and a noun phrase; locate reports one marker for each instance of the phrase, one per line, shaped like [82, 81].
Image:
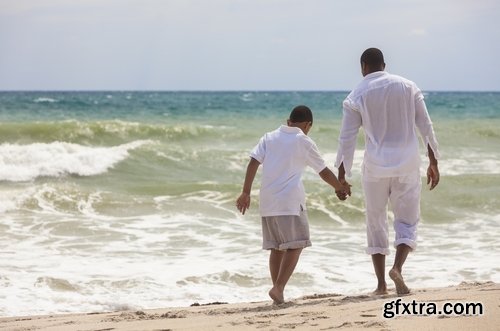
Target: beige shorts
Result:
[285, 232]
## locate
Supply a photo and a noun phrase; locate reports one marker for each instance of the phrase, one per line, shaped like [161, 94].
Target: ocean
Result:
[126, 200]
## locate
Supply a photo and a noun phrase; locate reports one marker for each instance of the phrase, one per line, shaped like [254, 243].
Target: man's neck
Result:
[371, 71]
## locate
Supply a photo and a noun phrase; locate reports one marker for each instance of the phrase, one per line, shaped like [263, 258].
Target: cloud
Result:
[419, 32]
[239, 44]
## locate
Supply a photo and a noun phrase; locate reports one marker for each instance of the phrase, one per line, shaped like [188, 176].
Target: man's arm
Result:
[243, 201]
[424, 125]
[351, 122]
[341, 172]
[432, 170]
[344, 182]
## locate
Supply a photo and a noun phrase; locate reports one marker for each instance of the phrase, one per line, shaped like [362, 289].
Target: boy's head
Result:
[301, 117]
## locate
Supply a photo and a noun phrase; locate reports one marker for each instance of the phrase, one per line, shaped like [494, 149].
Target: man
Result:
[389, 108]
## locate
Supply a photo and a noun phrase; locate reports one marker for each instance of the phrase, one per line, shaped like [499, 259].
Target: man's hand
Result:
[345, 191]
[432, 170]
[432, 175]
[243, 202]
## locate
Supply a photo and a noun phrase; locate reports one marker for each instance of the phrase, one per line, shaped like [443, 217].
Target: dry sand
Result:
[316, 312]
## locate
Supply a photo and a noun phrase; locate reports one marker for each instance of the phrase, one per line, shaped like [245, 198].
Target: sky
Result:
[445, 45]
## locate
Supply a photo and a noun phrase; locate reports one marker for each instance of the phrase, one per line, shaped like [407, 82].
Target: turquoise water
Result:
[113, 200]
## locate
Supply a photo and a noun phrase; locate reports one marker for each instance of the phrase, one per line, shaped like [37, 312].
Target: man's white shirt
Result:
[390, 108]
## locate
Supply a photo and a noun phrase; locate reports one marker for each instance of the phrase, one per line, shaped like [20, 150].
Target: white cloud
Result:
[240, 44]
[418, 32]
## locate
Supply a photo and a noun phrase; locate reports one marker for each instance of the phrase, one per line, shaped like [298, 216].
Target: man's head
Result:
[301, 117]
[372, 60]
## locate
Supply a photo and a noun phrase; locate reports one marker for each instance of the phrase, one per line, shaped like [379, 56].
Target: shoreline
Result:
[312, 312]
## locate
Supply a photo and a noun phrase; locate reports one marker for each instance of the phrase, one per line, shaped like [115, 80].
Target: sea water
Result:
[126, 200]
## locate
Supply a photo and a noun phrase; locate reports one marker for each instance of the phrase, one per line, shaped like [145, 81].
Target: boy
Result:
[284, 154]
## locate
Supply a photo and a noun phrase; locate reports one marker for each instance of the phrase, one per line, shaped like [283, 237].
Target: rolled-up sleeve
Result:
[424, 125]
[351, 122]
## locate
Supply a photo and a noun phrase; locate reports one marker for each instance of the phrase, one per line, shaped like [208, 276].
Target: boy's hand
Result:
[243, 202]
[345, 191]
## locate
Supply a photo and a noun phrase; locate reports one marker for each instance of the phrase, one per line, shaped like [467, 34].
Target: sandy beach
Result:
[315, 312]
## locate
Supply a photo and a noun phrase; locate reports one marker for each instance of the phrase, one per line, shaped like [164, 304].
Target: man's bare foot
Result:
[277, 296]
[398, 280]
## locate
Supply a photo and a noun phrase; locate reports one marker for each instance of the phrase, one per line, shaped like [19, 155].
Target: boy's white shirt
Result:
[284, 154]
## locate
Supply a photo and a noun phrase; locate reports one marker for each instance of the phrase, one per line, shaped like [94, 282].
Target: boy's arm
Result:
[342, 190]
[243, 201]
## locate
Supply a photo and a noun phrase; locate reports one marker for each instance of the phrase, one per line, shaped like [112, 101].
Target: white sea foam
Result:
[473, 163]
[84, 261]
[459, 163]
[26, 162]
[45, 99]
[166, 232]
[246, 97]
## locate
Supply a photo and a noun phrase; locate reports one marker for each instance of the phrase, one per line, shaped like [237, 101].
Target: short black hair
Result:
[373, 57]
[301, 114]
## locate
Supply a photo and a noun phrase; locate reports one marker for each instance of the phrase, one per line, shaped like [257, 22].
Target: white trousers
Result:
[403, 193]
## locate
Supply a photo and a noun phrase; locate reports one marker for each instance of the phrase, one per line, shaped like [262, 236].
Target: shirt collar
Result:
[289, 129]
[375, 74]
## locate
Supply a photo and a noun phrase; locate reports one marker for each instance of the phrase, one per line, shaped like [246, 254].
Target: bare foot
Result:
[398, 280]
[277, 296]
[380, 291]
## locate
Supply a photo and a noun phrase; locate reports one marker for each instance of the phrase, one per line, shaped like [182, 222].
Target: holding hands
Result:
[345, 191]
[342, 187]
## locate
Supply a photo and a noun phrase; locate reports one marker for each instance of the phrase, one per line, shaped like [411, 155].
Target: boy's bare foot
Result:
[380, 291]
[277, 296]
[398, 280]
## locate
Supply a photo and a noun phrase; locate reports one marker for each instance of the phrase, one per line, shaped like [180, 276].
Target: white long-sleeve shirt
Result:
[389, 108]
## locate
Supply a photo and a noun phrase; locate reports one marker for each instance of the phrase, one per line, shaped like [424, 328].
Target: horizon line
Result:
[226, 91]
